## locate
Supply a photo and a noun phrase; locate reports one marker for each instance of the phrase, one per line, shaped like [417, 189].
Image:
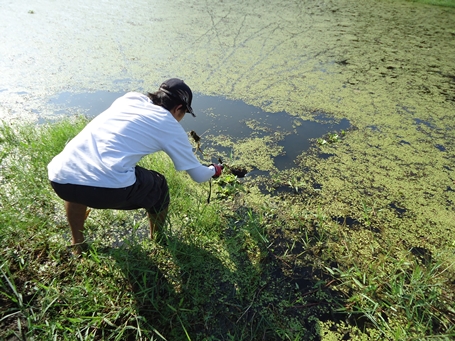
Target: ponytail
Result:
[162, 99]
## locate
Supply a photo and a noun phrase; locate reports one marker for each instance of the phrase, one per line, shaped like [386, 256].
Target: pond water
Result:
[218, 116]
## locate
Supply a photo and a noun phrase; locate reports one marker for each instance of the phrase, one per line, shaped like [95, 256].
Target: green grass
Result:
[402, 300]
[238, 268]
[446, 3]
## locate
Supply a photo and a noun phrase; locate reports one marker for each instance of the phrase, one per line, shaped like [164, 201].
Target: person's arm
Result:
[203, 173]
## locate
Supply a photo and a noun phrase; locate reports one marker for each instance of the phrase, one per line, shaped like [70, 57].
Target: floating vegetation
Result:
[235, 170]
[331, 138]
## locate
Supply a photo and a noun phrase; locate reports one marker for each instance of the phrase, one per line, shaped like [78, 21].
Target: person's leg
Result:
[76, 215]
[157, 221]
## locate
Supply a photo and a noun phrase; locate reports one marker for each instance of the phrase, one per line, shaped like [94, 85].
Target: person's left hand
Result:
[218, 170]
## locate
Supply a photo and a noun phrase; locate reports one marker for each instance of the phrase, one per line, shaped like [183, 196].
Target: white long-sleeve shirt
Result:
[106, 151]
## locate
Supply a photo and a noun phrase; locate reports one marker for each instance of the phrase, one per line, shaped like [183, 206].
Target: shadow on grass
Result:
[185, 292]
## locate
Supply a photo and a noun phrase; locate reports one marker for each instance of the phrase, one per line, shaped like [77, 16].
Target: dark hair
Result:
[164, 100]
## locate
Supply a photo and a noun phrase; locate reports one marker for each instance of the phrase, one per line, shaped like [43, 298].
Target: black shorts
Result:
[150, 191]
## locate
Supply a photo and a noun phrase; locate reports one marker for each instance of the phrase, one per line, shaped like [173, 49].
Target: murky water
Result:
[386, 67]
[218, 116]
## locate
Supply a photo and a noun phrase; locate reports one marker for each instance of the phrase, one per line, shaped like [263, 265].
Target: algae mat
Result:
[386, 66]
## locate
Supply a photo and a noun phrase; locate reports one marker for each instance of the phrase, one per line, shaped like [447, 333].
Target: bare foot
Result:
[77, 249]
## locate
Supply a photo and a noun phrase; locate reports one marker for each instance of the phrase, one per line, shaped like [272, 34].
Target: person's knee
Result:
[165, 197]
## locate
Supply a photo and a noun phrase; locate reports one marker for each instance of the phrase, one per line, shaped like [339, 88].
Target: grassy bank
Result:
[445, 3]
[247, 266]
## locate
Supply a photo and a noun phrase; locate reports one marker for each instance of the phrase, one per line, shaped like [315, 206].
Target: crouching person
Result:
[98, 167]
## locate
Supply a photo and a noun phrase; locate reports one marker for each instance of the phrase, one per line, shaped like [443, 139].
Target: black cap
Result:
[177, 88]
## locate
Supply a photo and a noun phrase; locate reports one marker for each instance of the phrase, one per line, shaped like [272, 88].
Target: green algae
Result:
[383, 174]
[250, 153]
